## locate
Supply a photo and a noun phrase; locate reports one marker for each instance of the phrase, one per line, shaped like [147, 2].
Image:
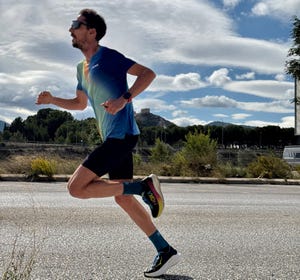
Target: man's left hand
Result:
[113, 106]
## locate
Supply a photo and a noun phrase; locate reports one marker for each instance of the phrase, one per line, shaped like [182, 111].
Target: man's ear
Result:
[93, 32]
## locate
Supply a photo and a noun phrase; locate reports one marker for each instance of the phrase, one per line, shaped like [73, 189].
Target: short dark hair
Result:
[94, 20]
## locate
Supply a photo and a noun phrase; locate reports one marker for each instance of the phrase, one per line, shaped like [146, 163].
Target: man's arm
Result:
[77, 103]
[145, 76]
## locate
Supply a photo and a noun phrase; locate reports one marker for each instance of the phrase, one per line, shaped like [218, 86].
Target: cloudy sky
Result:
[215, 60]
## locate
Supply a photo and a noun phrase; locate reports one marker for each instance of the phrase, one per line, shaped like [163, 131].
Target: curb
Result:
[163, 179]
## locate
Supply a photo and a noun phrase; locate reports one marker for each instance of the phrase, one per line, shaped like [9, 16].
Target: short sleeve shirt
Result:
[103, 78]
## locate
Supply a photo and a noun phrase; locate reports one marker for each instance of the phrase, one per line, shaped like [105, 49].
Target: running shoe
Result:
[162, 262]
[153, 195]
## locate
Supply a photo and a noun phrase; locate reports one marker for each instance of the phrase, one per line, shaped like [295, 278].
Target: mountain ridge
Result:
[147, 119]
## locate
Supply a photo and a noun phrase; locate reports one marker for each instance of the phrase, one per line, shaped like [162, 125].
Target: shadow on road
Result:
[175, 277]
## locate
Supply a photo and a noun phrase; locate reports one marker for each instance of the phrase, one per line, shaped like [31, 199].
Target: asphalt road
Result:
[222, 231]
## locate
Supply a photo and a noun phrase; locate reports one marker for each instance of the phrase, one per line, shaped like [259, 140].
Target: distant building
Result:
[145, 111]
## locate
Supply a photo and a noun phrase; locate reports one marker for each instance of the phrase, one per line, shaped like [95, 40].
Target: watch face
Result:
[127, 95]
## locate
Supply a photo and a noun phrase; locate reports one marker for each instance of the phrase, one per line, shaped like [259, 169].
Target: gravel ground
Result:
[223, 232]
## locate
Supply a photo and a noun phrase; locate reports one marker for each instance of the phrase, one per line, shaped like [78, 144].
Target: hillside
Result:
[145, 119]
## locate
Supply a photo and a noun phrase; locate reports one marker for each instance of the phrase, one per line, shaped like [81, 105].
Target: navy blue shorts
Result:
[114, 157]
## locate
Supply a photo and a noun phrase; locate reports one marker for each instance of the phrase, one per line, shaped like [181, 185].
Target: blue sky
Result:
[217, 60]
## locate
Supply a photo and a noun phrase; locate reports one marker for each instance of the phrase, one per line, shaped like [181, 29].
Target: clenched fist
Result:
[44, 97]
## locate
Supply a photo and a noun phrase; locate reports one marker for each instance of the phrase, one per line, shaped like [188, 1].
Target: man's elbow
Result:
[151, 74]
[80, 106]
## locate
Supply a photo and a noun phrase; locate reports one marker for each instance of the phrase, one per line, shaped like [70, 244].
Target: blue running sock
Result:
[158, 241]
[133, 188]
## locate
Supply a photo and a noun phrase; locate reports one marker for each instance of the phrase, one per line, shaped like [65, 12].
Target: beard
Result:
[76, 44]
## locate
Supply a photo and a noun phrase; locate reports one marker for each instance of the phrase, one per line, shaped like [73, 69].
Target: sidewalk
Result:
[165, 179]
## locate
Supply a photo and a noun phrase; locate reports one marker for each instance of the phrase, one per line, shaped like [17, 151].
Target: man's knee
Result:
[75, 190]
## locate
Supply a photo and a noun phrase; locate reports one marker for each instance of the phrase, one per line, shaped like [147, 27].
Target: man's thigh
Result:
[114, 156]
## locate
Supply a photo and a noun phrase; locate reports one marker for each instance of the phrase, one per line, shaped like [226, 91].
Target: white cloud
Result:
[261, 9]
[262, 88]
[221, 116]
[280, 77]
[277, 8]
[155, 105]
[260, 123]
[227, 50]
[6, 113]
[180, 82]
[187, 121]
[246, 76]
[27, 84]
[219, 77]
[282, 106]
[285, 122]
[240, 116]
[231, 3]
[210, 101]
[290, 94]
[179, 113]
[288, 121]
[151, 37]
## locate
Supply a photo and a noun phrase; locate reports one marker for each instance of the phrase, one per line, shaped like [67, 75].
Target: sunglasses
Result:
[76, 24]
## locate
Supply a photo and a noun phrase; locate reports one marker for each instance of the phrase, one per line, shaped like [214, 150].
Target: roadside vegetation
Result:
[52, 142]
[198, 156]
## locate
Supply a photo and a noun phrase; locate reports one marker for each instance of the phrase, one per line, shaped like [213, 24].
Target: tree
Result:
[293, 68]
[17, 125]
[198, 156]
[78, 132]
[293, 62]
[161, 152]
[50, 120]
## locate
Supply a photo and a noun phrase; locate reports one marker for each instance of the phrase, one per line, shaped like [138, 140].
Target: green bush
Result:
[161, 152]
[198, 156]
[228, 170]
[42, 166]
[179, 166]
[269, 167]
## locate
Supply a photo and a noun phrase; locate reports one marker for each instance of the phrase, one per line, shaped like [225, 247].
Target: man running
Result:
[102, 81]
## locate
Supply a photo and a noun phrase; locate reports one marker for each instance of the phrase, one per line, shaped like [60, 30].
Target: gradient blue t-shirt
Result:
[103, 78]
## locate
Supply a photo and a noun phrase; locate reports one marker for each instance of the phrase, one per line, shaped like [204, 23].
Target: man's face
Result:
[78, 31]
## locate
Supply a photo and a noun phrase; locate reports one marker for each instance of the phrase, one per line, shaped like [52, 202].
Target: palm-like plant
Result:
[293, 62]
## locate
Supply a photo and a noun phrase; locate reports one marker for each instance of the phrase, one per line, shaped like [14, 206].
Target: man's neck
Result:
[88, 53]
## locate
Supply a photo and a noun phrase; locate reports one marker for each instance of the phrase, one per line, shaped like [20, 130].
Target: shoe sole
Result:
[155, 188]
[171, 262]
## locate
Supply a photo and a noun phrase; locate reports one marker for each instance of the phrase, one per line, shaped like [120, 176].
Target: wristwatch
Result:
[127, 96]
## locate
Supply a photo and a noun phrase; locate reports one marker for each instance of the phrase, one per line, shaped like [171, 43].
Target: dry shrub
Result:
[43, 166]
[269, 167]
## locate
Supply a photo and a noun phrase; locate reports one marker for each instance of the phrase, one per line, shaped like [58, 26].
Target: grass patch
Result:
[39, 164]
[20, 263]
